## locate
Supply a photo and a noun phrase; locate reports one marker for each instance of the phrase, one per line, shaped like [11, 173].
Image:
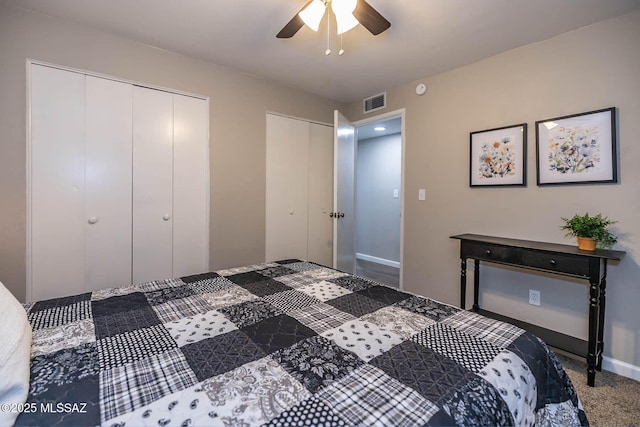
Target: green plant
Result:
[591, 226]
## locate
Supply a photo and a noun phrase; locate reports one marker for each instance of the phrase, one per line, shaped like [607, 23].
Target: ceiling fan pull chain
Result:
[341, 51]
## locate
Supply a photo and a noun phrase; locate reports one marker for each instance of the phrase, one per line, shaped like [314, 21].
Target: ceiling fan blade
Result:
[370, 18]
[292, 26]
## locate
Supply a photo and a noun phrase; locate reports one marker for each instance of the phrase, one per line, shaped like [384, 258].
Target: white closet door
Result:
[190, 185]
[152, 184]
[286, 188]
[108, 183]
[320, 241]
[57, 182]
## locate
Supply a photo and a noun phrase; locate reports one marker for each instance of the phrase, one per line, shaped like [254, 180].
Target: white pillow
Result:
[15, 355]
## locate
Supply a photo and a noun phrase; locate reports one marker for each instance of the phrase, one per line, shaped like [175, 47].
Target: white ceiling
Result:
[426, 36]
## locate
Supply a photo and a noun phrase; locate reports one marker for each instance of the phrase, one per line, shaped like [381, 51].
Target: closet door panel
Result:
[190, 185]
[57, 182]
[152, 184]
[286, 188]
[108, 183]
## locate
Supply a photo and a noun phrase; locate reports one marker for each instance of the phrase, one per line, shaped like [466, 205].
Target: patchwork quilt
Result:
[289, 343]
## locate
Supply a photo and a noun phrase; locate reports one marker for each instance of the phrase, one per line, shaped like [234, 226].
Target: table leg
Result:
[476, 284]
[594, 300]
[463, 282]
[603, 297]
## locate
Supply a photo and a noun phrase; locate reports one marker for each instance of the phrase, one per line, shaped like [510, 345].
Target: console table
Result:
[565, 260]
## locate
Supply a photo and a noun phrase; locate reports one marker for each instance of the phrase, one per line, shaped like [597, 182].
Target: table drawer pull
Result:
[488, 252]
[553, 262]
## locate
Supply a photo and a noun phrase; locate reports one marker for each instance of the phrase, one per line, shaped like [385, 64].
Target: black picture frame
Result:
[577, 149]
[498, 157]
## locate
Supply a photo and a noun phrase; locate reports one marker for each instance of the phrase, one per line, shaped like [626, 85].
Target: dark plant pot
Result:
[586, 244]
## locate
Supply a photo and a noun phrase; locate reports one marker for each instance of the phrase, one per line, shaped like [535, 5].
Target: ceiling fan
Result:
[349, 13]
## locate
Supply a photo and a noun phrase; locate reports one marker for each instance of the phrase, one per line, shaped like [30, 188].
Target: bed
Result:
[289, 343]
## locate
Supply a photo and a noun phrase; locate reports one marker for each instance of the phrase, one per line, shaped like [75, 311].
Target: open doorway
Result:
[379, 199]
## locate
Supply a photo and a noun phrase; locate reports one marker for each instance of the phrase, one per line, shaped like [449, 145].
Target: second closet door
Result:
[152, 184]
[107, 221]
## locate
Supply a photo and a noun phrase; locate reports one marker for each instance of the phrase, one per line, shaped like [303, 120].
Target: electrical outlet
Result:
[534, 297]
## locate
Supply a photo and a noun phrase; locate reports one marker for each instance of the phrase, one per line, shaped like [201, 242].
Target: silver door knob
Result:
[93, 220]
[166, 217]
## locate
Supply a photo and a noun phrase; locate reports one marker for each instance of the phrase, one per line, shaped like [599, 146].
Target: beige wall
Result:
[238, 105]
[592, 68]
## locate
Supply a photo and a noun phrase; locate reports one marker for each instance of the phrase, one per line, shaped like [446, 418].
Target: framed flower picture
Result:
[499, 157]
[577, 149]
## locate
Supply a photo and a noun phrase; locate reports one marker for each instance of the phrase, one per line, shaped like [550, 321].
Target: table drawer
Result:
[488, 252]
[556, 262]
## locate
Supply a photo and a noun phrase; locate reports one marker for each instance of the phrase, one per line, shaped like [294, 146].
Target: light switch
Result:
[422, 194]
[396, 193]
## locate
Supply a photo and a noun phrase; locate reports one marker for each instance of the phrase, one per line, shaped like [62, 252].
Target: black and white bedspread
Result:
[288, 343]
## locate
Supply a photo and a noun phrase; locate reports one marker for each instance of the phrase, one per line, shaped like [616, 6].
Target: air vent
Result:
[376, 102]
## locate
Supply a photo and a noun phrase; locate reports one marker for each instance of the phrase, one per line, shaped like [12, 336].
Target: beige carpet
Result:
[614, 401]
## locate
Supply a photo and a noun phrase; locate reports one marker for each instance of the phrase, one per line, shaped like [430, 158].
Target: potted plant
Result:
[591, 231]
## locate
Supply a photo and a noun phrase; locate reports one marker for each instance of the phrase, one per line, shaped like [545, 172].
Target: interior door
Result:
[190, 185]
[108, 151]
[152, 184]
[320, 241]
[344, 230]
[57, 155]
[287, 190]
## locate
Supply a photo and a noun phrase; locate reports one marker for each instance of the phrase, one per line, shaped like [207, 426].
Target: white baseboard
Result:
[375, 259]
[621, 368]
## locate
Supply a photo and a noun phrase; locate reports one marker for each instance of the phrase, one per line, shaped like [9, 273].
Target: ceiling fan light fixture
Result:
[346, 22]
[312, 14]
[343, 9]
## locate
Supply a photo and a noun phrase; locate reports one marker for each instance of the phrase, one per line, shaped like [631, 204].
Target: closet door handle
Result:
[92, 220]
[166, 217]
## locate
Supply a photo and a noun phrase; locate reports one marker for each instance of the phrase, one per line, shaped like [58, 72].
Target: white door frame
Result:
[395, 113]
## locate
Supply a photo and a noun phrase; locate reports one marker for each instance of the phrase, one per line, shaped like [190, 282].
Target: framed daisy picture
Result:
[577, 149]
[499, 157]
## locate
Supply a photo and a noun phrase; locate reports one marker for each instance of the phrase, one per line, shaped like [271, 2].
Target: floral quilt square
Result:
[249, 312]
[317, 362]
[278, 271]
[227, 297]
[427, 307]
[254, 393]
[402, 322]
[68, 335]
[354, 283]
